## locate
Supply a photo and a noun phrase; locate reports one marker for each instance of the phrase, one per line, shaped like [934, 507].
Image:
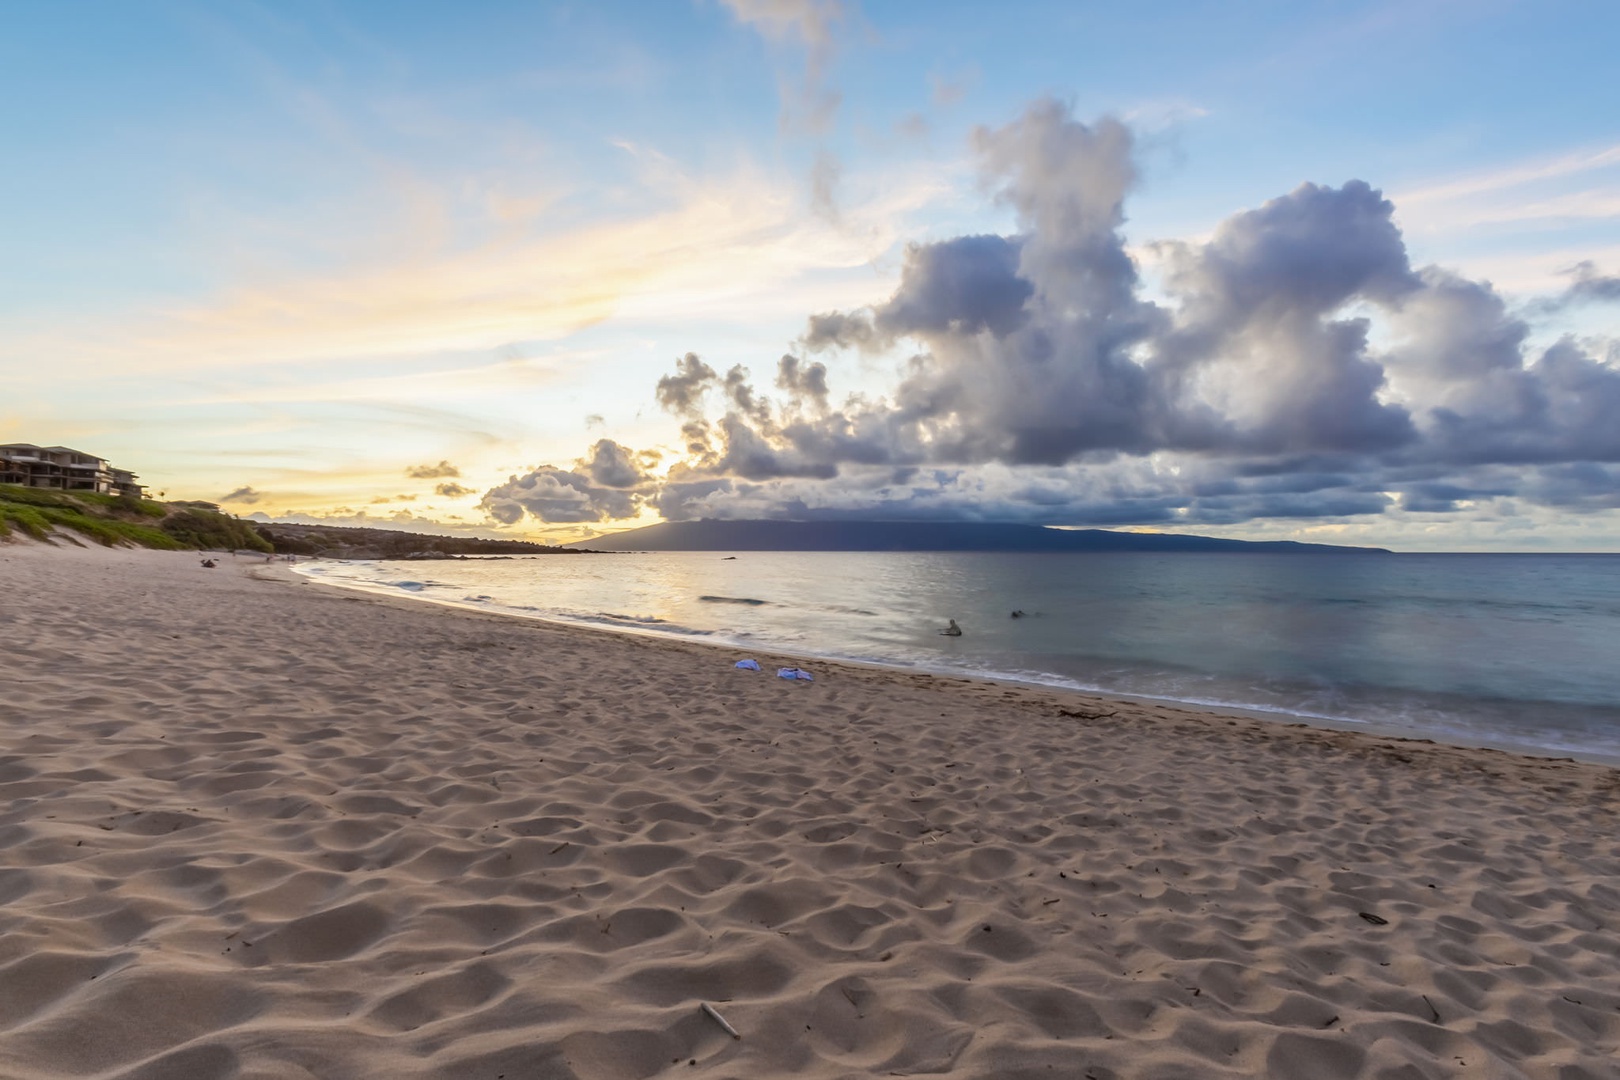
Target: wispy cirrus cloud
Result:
[1513, 176]
[810, 104]
[718, 247]
[1542, 270]
[1529, 191]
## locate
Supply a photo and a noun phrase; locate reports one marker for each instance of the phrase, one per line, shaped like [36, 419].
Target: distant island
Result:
[109, 519]
[926, 536]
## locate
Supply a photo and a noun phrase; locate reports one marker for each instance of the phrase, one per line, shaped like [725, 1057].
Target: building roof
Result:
[49, 449]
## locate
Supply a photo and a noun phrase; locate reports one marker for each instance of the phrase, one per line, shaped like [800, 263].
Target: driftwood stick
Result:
[717, 1018]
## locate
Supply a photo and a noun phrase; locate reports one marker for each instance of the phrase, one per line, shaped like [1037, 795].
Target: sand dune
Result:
[259, 828]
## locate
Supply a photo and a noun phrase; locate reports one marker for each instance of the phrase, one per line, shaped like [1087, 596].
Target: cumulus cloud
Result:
[804, 382]
[967, 284]
[613, 466]
[608, 484]
[432, 472]
[682, 392]
[452, 490]
[551, 494]
[1260, 358]
[1590, 286]
[1298, 366]
[242, 496]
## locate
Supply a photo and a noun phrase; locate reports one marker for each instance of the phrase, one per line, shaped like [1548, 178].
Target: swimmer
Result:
[952, 630]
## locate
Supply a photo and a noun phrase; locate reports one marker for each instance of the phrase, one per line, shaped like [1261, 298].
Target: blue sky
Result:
[281, 254]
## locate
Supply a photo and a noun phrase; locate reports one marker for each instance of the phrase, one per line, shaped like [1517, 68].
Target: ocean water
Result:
[1519, 652]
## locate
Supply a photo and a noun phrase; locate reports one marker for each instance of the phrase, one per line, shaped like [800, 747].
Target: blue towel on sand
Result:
[748, 665]
[794, 673]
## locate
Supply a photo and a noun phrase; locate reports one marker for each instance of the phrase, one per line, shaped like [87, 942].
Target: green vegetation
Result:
[122, 519]
[348, 542]
[195, 527]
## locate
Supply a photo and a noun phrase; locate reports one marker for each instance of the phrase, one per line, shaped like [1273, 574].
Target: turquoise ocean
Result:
[1518, 652]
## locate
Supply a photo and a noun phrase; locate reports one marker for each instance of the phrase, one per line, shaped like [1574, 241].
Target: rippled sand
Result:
[253, 827]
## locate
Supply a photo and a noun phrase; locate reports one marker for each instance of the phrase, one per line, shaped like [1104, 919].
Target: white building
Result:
[63, 469]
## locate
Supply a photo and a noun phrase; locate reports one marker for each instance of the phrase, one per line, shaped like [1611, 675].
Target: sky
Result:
[1337, 272]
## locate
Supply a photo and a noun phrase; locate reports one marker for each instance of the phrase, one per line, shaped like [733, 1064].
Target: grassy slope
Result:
[113, 519]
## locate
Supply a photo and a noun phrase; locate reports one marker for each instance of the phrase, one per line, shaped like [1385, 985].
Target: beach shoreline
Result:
[255, 829]
[1374, 727]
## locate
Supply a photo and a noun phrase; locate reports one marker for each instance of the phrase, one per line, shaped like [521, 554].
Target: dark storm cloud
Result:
[1579, 485]
[1298, 366]
[1434, 498]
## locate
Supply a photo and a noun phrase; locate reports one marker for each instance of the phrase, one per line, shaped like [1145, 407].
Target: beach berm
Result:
[256, 827]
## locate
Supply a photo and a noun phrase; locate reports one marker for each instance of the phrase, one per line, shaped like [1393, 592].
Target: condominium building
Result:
[64, 469]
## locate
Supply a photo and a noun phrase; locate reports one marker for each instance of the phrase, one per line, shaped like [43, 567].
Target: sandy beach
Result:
[256, 827]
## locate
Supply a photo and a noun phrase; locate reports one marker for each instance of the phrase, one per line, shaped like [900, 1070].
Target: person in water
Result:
[952, 630]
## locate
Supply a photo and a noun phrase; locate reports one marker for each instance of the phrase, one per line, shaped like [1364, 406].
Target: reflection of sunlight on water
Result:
[1433, 646]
